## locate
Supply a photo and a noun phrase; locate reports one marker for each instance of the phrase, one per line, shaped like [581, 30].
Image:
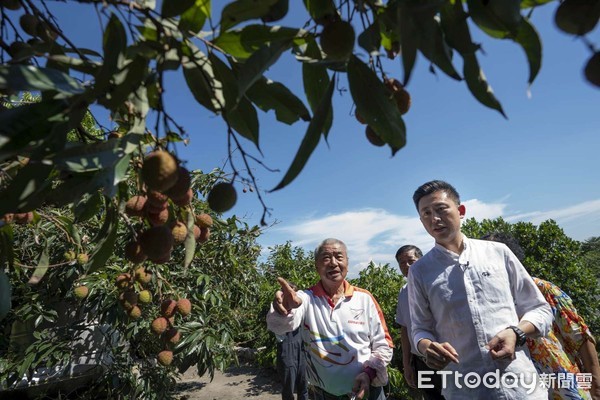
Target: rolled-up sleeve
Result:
[530, 303]
[421, 318]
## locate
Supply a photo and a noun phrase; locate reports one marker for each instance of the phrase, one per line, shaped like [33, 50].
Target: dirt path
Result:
[243, 382]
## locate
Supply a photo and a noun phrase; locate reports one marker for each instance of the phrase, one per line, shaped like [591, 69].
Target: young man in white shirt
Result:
[472, 305]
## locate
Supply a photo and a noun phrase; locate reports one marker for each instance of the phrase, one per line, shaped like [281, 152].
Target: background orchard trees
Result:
[553, 256]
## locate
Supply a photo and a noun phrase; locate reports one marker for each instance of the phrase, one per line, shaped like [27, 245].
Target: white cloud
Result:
[376, 234]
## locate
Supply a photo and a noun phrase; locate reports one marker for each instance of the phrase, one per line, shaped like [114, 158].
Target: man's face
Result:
[405, 260]
[332, 264]
[440, 215]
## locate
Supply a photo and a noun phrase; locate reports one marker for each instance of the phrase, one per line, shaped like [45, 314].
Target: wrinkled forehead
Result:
[332, 249]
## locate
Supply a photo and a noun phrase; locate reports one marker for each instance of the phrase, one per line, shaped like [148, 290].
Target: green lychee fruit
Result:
[81, 292]
[145, 297]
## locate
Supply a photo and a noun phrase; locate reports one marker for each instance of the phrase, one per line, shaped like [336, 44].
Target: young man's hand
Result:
[503, 345]
[438, 355]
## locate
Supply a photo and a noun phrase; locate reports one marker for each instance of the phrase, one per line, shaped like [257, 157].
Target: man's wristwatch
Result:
[521, 338]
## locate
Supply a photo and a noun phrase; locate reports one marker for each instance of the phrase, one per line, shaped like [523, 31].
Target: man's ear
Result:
[462, 210]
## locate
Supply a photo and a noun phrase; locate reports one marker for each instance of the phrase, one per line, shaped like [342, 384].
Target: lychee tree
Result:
[138, 322]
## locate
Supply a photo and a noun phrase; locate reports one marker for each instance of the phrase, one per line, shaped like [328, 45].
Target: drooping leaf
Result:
[311, 138]
[243, 10]
[132, 75]
[370, 38]
[76, 64]
[269, 95]
[41, 268]
[434, 47]
[374, 103]
[5, 295]
[105, 240]
[193, 19]
[173, 8]
[29, 78]
[316, 81]
[258, 63]
[497, 18]
[114, 43]
[453, 21]
[244, 120]
[200, 78]
[530, 41]
[242, 43]
[409, 44]
[478, 84]
[190, 241]
[226, 80]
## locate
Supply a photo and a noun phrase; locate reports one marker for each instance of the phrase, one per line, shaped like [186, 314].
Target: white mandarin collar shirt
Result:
[466, 299]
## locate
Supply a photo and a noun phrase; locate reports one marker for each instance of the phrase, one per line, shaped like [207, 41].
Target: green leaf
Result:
[42, 267]
[5, 295]
[530, 41]
[258, 63]
[269, 95]
[311, 138]
[453, 21]
[105, 239]
[243, 10]
[76, 64]
[193, 19]
[375, 104]
[29, 78]
[27, 190]
[434, 47]
[316, 81]
[200, 78]
[370, 38]
[114, 44]
[88, 207]
[244, 120]
[318, 9]
[173, 8]
[190, 241]
[227, 81]
[242, 43]
[497, 18]
[478, 85]
[28, 125]
[409, 44]
[90, 157]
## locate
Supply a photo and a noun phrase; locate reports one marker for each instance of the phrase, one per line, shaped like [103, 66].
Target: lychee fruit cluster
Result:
[130, 299]
[164, 326]
[166, 183]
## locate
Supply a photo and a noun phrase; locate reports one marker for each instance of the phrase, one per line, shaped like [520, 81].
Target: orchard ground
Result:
[239, 382]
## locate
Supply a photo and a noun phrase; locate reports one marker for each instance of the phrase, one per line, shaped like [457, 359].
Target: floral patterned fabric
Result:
[557, 354]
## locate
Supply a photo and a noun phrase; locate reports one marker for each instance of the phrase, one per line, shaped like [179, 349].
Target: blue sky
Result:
[540, 163]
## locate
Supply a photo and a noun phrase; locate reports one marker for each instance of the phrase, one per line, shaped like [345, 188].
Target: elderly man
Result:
[472, 306]
[347, 341]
